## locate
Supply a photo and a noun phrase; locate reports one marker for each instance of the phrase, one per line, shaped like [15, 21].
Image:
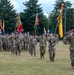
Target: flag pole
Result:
[4, 26]
[36, 23]
[56, 28]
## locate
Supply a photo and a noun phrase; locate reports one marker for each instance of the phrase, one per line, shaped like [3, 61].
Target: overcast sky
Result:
[47, 5]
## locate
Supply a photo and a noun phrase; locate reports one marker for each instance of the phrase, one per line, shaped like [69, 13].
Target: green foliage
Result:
[29, 15]
[69, 19]
[7, 13]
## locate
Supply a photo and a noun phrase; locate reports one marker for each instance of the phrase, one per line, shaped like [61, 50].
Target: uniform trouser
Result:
[12, 49]
[17, 50]
[51, 54]
[72, 57]
[26, 46]
[42, 51]
[32, 50]
[0, 47]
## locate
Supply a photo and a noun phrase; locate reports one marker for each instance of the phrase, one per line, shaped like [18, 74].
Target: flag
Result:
[44, 30]
[60, 25]
[20, 28]
[0, 23]
[19, 24]
[3, 26]
[35, 31]
[37, 20]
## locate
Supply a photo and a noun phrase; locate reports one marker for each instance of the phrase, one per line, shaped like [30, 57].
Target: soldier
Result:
[9, 42]
[12, 43]
[1, 48]
[21, 37]
[17, 44]
[5, 43]
[52, 42]
[42, 44]
[30, 47]
[69, 39]
[27, 41]
[33, 46]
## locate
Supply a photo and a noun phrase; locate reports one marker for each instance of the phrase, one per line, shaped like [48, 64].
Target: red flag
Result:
[20, 28]
[19, 24]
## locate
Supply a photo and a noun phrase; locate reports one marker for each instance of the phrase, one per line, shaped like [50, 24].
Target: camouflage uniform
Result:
[17, 45]
[69, 39]
[25, 41]
[42, 44]
[30, 41]
[1, 48]
[4, 43]
[33, 46]
[9, 43]
[52, 43]
[21, 38]
[12, 43]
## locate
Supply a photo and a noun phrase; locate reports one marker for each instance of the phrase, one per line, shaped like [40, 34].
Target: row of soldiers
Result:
[17, 42]
[14, 42]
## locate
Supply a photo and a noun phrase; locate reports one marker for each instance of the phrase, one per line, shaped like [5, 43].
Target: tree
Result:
[7, 13]
[69, 18]
[69, 12]
[29, 15]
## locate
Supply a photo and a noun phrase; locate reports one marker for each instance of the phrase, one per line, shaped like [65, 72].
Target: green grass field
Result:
[10, 64]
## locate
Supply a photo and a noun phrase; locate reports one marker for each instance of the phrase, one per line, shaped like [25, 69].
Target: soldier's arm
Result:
[68, 39]
[45, 42]
[65, 41]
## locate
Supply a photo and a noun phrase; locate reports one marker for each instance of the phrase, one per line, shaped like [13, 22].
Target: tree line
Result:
[28, 15]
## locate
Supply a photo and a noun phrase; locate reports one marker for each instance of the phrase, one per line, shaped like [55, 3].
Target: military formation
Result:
[16, 42]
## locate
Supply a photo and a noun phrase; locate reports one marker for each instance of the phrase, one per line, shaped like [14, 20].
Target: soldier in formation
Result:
[17, 42]
[13, 42]
[51, 46]
[32, 46]
[42, 44]
[26, 41]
